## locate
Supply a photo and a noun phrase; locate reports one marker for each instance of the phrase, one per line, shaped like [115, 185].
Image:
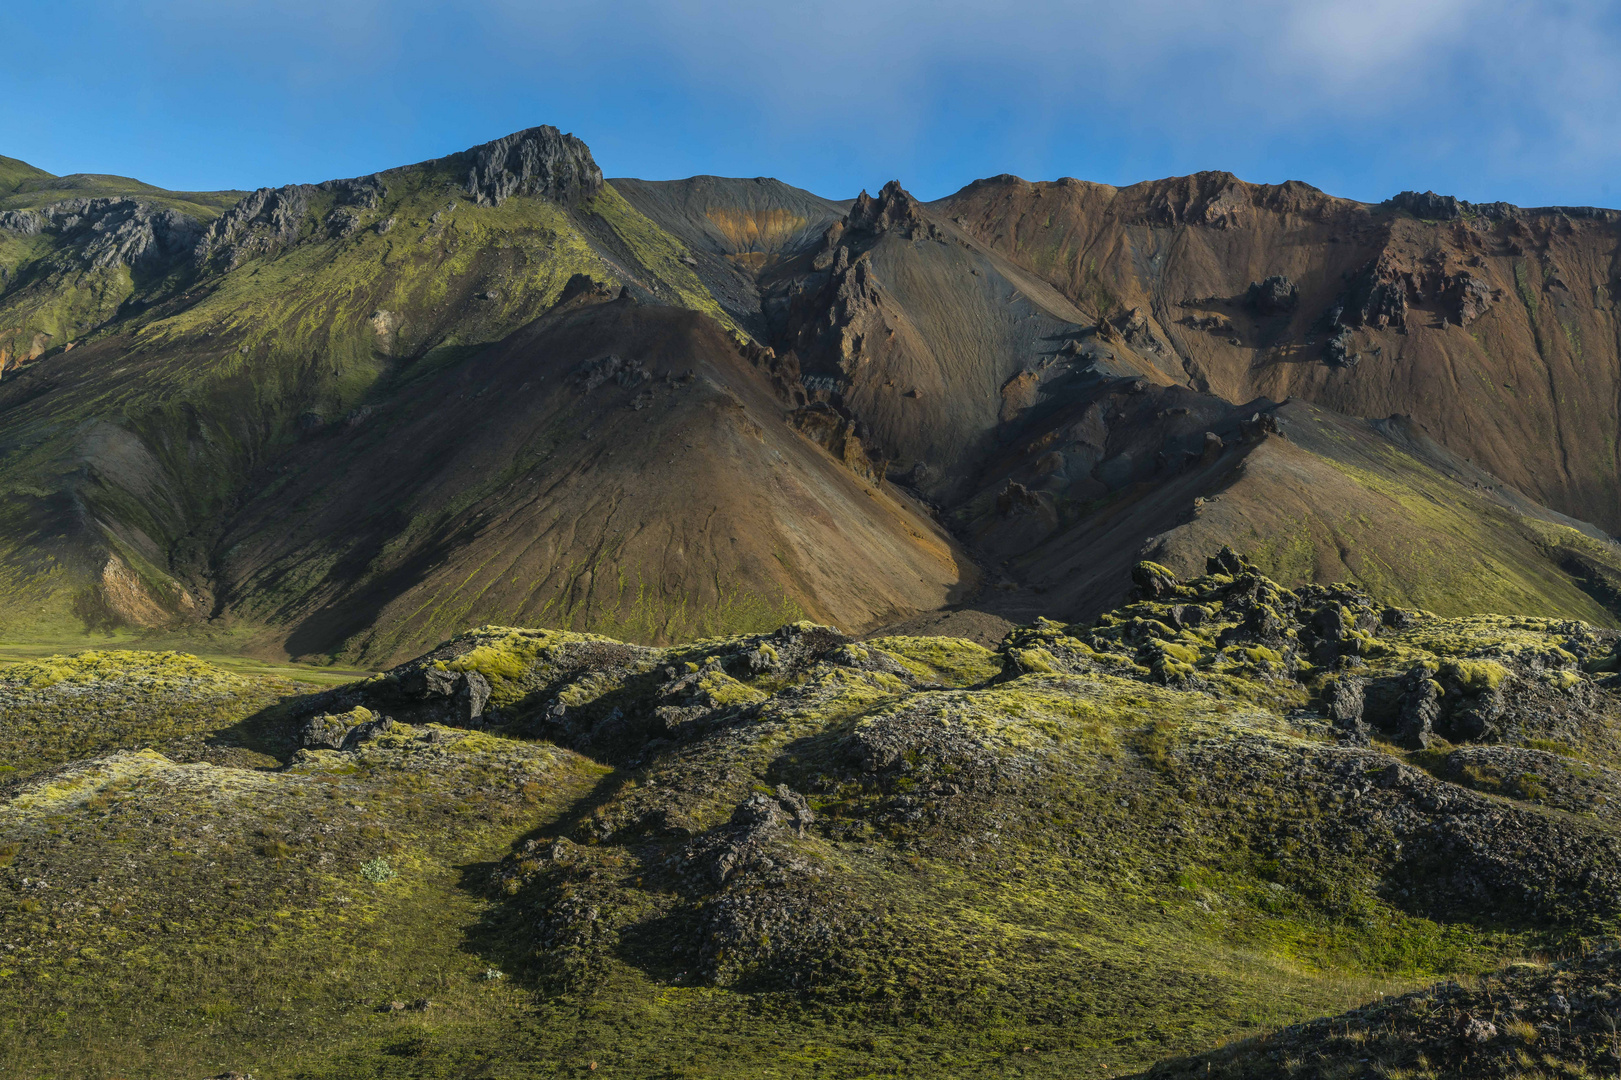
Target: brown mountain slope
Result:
[1314, 496]
[734, 231]
[1063, 453]
[281, 424]
[611, 467]
[930, 342]
[1494, 327]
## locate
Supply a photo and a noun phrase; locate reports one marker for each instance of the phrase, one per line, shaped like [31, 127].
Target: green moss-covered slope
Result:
[1224, 808]
[157, 384]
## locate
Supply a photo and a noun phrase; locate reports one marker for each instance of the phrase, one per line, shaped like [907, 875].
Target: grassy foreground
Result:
[793, 854]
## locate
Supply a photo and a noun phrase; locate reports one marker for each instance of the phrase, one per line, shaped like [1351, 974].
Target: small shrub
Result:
[377, 871]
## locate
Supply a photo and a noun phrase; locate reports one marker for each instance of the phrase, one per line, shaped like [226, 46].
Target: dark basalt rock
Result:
[1259, 426]
[111, 232]
[344, 731]
[1343, 701]
[624, 372]
[894, 210]
[1428, 205]
[467, 691]
[1337, 350]
[269, 219]
[1467, 297]
[1420, 709]
[1274, 295]
[540, 161]
[1015, 498]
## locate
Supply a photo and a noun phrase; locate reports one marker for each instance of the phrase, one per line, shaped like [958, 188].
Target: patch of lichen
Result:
[515, 661]
[147, 671]
[59, 708]
[952, 661]
[1236, 633]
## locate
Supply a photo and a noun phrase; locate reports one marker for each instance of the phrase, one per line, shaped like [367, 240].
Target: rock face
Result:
[894, 210]
[1429, 205]
[1276, 294]
[540, 161]
[111, 232]
[827, 427]
[1403, 276]
[272, 218]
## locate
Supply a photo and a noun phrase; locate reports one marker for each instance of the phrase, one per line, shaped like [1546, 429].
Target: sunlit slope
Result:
[143, 403]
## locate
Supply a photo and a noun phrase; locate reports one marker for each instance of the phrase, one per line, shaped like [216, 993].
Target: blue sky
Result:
[1485, 99]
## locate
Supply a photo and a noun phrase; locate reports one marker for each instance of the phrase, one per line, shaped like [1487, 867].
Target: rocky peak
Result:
[1276, 294]
[539, 161]
[893, 211]
[1429, 205]
[1216, 199]
[263, 221]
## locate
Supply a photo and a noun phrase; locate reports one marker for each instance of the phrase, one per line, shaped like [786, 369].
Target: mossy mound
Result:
[1409, 676]
[178, 919]
[1528, 1019]
[59, 708]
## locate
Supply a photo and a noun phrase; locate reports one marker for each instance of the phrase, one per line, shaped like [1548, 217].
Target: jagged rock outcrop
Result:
[1276, 294]
[1377, 297]
[539, 161]
[422, 692]
[894, 210]
[269, 219]
[110, 232]
[826, 426]
[1429, 205]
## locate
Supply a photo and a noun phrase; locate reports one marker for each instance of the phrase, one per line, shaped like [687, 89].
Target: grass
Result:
[13, 653]
[296, 944]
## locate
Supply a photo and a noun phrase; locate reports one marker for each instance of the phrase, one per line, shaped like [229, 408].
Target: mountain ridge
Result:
[935, 357]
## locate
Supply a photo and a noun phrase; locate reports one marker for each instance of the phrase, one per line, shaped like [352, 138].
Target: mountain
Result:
[666, 409]
[171, 464]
